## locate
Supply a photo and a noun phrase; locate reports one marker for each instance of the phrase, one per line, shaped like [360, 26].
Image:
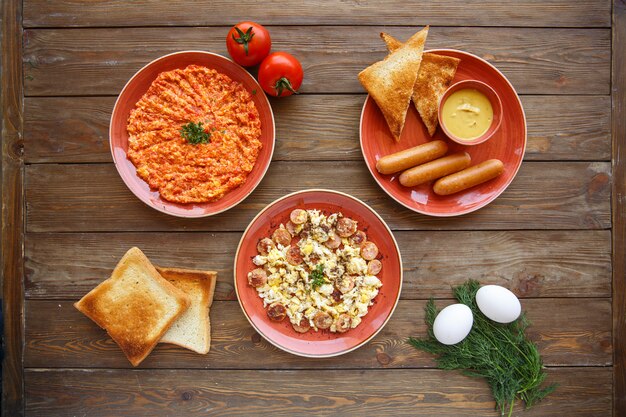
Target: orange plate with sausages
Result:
[322, 343]
[508, 145]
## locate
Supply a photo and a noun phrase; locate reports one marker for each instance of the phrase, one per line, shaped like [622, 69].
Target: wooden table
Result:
[556, 236]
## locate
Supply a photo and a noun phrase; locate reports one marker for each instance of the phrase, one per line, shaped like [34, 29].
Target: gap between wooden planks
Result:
[521, 260]
[565, 334]
[584, 392]
[64, 13]
[544, 195]
[62, 62]
[76, 129]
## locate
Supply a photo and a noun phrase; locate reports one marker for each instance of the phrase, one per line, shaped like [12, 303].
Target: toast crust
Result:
[191, 282]
[125, 305]
[435, 75]
[390, 81]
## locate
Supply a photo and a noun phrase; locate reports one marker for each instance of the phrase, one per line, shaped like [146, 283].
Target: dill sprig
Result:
[500, 353]
[316, 277]
[194, 133]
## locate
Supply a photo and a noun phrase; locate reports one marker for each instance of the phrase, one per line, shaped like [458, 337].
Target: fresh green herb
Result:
[316, 277]
[254, 91]
[500, 353]
[194, 133]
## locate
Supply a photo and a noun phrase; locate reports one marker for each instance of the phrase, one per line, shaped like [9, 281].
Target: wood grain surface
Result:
[555, 236]
[619, 206]
[544, 195]
[566, 335]
[62, 62]
[155, 13]
[583, 392]
[520, 260]
[76, 129]
[11, 258]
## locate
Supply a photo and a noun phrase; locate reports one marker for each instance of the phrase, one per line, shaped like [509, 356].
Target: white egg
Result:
[498, 303]
[453, 324]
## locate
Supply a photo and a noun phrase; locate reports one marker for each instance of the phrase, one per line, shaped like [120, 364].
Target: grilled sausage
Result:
[469, 177]
[298, 216]
[369, 251]
[303, 327]
[294, 255]
[346, 227]
[345, 284]
[343, 323]
[291, 228]
[276, 312]
[257, 277]
[333, 241]
[374, 267]
[322, 320]
[282, 237]
[358, 238]
[265, 245]
[411, 157]
[435, 169]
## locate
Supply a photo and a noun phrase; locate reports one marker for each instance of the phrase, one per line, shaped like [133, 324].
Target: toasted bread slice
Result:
[390, 81]
[435, 75]
[135, 305]
[192, 330]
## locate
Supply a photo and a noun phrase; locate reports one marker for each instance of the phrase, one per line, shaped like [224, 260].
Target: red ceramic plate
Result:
[507, 144]
[323, 343]
[139, 84]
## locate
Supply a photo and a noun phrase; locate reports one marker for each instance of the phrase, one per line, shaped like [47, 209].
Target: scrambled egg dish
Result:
[317, 270]
[226, 125]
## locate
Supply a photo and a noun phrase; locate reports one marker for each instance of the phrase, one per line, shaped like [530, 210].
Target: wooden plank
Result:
[39, 13]
[67, 129]
[68, 265]
[582, 392]
[566, 334]
[100, 61]
[11, 99]
[619, 206]
[545, 195]
[76, 129]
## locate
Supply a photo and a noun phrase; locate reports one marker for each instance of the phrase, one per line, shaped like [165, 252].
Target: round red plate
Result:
[323, 343]
[139, 84]
[507, 144]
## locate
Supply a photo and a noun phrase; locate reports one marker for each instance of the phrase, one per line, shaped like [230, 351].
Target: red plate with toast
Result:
[322, 343]
[508, 144]
[137, 87]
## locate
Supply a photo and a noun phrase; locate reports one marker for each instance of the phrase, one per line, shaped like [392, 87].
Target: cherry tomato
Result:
[248, 43]
[280, 74]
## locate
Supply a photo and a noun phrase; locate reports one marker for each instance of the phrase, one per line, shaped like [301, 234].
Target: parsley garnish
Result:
[316, 277]
[254, 91]
[500, 353]
[194, 133]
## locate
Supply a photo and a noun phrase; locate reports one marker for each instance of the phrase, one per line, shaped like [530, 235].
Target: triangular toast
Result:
[435, 75]
[390, 81]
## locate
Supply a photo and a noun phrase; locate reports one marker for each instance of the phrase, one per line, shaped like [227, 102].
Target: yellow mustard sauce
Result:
[467, 114]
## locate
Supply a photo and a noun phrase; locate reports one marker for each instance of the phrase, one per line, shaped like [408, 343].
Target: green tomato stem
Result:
[282, 84]
[244, 38]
